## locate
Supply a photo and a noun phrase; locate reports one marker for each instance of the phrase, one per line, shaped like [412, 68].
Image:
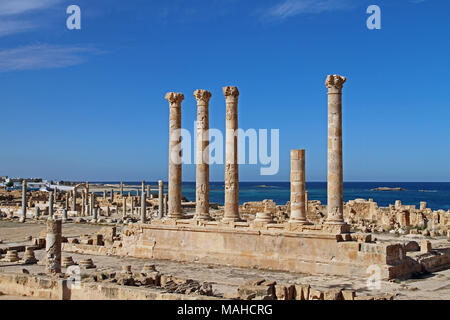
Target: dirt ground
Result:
[223, 279]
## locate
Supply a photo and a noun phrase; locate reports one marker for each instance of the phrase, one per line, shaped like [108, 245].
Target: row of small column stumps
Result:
[334, 83]
[335, 203]
[91, 209]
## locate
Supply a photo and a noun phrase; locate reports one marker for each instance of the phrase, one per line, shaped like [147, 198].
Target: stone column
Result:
[166, 205]
[50, 205]
[53, 246]
[202, 155]
[104, 194]
[55, 194]
[74, 205]
[83, 203]
[143, 208]
[67, 201]
[121, 188]
[91, 207]
[306, 202]
[143, 186]
[24, 201]
[160, 199]
[94, 214]
[64, 215]
[335, 190]
[37, 212]
[175, 100]
[132, 205]
[112, 195]
[298, 213]
[149, 192]
[231, 156]
[124, 204]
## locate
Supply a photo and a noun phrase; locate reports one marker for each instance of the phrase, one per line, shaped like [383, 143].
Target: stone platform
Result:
[309, 249]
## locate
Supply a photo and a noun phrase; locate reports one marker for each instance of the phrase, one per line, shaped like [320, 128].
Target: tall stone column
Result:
[143, 208]
[143, 186]
[166, 204]
[112, 195]
[74, 204]
[104, 194]
[231, 156]
[335, 190]
[132, 205]
[298, 213]
[149, 192]
[175, 100]
[202, 155]
[91, 207]
[53, 246]
[67, 201]
[50, 205]
[160, 199]
[24, 201]
[83, 202]
[306, 202]
[124, 204]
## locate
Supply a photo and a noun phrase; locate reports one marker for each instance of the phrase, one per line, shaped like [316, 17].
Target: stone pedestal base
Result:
[203, 216]
[265, 217]
[336, 228]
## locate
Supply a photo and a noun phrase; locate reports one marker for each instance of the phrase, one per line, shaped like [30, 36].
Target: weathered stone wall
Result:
[273, 249]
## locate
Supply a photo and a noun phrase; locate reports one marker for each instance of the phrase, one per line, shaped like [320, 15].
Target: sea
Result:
[436, 194]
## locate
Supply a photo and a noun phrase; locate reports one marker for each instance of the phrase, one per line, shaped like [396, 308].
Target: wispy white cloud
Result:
[290, 8]
[8, 27]
[15, 7]
[16, 16]
[37, 57]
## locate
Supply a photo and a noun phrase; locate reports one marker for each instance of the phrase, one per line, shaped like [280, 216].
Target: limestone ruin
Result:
[301, 237]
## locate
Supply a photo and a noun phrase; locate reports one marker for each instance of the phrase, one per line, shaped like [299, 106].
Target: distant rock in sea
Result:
[388, 189]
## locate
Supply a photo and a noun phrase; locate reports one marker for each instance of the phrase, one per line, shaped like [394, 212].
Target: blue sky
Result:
[89, 104]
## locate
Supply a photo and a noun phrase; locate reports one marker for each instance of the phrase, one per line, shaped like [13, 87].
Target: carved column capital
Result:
[174, 98]
[231, 92]
[202, 96]
[335, 83]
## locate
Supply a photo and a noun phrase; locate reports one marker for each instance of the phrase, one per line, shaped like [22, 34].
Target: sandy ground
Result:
[225, 279]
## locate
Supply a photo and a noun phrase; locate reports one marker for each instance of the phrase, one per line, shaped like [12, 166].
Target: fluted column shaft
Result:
[298, 213]
[74, 204]
[53, 246]
[160, 199]
[175, 100]
[24, 201]
[231, 156]
[50, 205]
[143, 208]
[202, 155]
[335, 187]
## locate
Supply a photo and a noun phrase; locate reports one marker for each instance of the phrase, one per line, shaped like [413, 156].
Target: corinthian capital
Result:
[174, 97]
[335, 82]
[202, 96]
[231, 91]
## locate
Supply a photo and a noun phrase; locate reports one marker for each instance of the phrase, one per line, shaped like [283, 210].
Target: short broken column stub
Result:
[53, 246]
